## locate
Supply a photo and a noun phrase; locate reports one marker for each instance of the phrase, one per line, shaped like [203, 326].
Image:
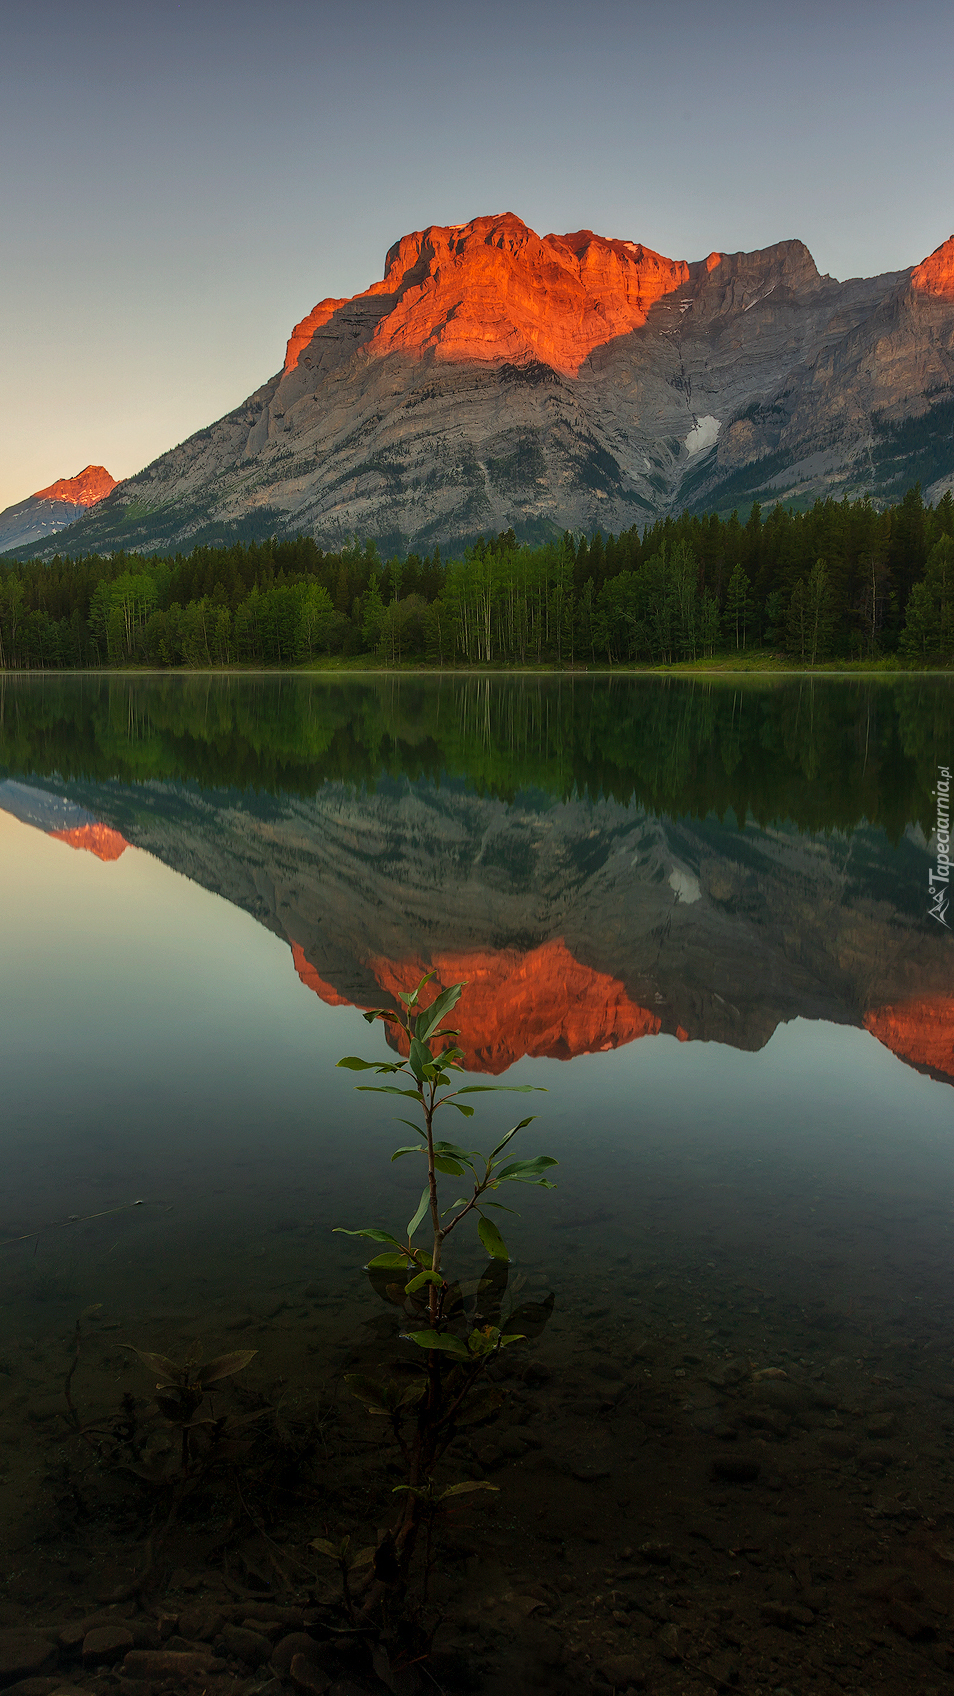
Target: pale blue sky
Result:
[182, 182]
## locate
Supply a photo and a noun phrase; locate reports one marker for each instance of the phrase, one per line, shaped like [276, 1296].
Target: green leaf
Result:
[364, 1557]
[503, 1144]
[422, 1209]
[443, 1163]
[376, 1236]
[416, 1148]
[419, 1058]
[465, 1489]
[492, 1240]
[422, 1279]
[439, 1340]
[353, 1064]
[430, 1018]
[468, 1112]
[483, 1341]
[526, 1171]
[324, 1548]
[388, 1089]
[387, 1263]
[380, 1013]
[224, 1366]
[410, 997]
[498, 1089]
[522, 1126]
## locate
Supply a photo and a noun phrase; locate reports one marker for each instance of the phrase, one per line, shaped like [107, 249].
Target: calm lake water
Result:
[696, 913]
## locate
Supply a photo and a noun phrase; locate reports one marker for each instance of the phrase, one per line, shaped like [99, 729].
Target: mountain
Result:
[497, 379]
[579, 926]
[50, 510]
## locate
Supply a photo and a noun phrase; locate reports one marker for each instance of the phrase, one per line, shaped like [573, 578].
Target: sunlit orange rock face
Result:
[935, 275]
[97, 839]
[920, 1031]
[87, 488]
[303, 332]
[493, 292]
[539, 1003]
[313, 980]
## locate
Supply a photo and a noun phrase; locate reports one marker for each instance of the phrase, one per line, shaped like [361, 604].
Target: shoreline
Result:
[848, 669]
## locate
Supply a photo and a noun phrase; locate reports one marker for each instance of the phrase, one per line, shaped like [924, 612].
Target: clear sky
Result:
[182, 182]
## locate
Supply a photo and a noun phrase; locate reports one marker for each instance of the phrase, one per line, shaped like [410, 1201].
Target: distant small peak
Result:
[935, 275]
[87, 488]
[98, 839]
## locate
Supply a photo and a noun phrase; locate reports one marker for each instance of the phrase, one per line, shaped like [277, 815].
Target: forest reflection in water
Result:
[711, 898]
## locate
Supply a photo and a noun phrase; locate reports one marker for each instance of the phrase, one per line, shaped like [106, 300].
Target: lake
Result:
[698, 914]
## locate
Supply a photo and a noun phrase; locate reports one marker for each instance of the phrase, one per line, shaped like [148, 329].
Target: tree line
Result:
[839, 581]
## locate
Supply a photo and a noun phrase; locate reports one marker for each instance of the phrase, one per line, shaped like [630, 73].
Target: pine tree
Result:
[738, 604]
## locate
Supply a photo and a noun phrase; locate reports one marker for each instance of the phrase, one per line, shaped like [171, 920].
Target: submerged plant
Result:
[459, 1338]
[181, 1390]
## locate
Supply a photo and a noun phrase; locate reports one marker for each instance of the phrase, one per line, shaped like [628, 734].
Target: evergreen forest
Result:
[839, 582]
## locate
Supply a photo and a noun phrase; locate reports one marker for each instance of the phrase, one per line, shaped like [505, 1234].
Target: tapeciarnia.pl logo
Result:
[940, 878]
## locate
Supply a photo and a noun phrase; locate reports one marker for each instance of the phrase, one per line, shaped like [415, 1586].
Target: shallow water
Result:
[696, 915]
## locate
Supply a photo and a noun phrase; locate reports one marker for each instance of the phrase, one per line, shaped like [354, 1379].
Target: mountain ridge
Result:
[494, 379]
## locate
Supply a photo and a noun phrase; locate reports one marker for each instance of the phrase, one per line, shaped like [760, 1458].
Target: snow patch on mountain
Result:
[702, 435]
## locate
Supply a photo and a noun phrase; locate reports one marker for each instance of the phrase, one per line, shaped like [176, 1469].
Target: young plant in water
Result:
[457, 1339]
[181, 1390]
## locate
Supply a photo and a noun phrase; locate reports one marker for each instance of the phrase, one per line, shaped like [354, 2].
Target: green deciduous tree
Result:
[929, 627]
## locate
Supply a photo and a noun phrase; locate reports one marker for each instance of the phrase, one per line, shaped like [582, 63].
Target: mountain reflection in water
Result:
[600, 860]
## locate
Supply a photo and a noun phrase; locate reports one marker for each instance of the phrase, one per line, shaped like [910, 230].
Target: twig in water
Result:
[74, 1219]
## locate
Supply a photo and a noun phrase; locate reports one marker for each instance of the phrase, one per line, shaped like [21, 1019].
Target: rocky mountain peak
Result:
[88, 487]
[935, 275]
[493, 292]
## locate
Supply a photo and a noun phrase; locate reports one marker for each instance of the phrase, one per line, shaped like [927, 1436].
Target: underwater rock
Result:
[171, 1663]
[25, 1654]
[286, 1649]
[245, 1645]
[623, 1670]
[106, 1644]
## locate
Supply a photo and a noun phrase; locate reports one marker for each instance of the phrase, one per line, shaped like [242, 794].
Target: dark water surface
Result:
[697, 914]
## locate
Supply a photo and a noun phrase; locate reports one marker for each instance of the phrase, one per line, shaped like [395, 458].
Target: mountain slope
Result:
[494, 378]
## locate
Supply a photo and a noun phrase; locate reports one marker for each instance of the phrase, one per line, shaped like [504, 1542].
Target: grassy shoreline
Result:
[359, 665]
